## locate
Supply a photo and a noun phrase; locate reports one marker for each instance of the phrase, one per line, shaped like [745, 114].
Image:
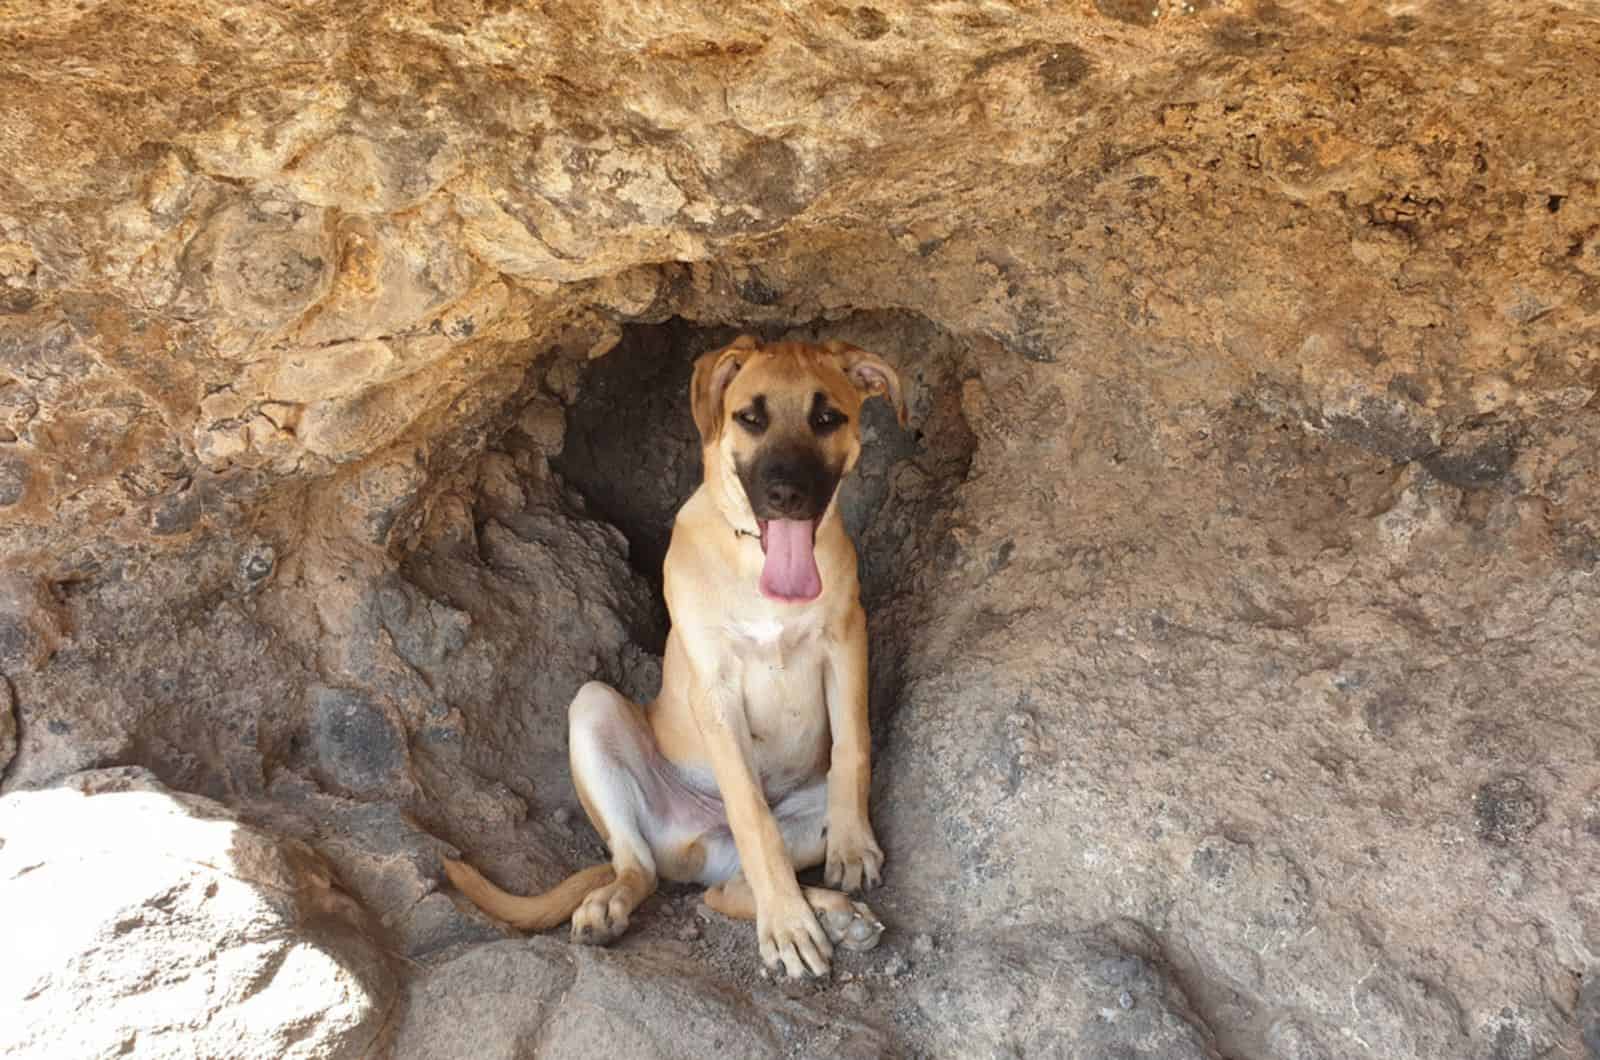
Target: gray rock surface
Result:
[1260, 690]
[1047, 993]
[8, 725]
[546, 998]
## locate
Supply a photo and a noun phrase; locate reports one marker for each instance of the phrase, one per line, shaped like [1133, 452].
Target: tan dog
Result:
[753, 762]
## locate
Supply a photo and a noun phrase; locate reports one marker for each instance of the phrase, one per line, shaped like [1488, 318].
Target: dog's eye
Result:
[825, 420]
[751, 419]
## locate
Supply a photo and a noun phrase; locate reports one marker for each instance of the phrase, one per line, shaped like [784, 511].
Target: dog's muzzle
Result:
[789, 489]
[789, 483]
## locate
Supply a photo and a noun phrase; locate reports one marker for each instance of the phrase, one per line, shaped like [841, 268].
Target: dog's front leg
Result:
[854, 858]
[786, 926]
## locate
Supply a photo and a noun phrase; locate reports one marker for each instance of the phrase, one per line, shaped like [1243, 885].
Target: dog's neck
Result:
[727, 495]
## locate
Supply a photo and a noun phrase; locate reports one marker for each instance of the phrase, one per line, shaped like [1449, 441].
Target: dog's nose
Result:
[785, 498]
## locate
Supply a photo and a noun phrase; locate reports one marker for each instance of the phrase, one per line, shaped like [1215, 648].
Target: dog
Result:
[754, 760]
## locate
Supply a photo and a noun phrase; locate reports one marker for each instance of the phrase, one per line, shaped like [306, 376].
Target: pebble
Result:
[689, 932]
[895, 966]
[922, 945]
[855, 993]
[562, 818]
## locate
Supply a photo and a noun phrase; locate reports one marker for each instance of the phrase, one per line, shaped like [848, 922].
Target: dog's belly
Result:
[788, 716]
[785, 708]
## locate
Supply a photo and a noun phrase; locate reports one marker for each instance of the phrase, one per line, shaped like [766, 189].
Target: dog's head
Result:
[780, 425]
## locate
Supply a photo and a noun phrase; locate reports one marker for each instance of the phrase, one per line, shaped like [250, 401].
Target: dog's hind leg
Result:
[849, 923]
[611, 750]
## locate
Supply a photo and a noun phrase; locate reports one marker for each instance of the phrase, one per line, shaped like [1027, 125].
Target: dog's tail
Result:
[538, 912]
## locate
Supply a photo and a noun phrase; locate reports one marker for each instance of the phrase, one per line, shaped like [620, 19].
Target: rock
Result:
[487, 1002]
[1051, 993]
[32, 625]
[129, 676]
[1589, 1013]
[576, 1001]
[357, 747]
[391, 865]
[13, 481]
[168, 928]
[1507, 810]
[544, 424]
[1293, 1041]
[8, 725]
[1095, 705]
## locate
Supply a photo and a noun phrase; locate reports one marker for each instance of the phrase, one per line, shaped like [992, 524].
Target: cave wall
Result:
[1232, 590]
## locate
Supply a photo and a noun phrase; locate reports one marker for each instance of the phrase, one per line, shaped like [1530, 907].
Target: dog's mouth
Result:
[790, 571]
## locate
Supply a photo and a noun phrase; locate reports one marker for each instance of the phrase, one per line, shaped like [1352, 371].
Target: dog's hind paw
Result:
[850, 925]
[603, 916]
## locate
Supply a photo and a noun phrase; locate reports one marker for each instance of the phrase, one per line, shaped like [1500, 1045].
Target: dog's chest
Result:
[777, 642]
[784, 702]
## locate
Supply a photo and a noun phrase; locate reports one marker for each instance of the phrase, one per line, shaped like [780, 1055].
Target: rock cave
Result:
[1235, 655]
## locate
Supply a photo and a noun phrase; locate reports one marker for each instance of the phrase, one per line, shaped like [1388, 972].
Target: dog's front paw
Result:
[791, 935]
[854, 859]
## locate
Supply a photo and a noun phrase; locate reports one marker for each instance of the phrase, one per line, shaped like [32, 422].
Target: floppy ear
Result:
[712, 373]
[871, 375]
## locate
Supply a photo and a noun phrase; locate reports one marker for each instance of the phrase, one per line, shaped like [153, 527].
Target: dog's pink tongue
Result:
[790, 572]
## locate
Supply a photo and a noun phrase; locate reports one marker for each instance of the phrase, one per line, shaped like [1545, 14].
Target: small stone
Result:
[8, 724]
[13, 481]
[895, 966]
[562, 818]
[544, 423]
[922, 945]
[256, 565]
[1507, 809]
[222, 405]
[176, 514]
[1588, 1015]
[1125, 1001]
[689, 932]
[218, 446]
[855, 993]
[32, 623]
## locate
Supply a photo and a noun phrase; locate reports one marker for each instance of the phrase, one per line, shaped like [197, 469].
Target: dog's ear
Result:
[871, 375]
[712, 373]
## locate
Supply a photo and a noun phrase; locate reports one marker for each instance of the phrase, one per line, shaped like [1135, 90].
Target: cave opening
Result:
[631, 453]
